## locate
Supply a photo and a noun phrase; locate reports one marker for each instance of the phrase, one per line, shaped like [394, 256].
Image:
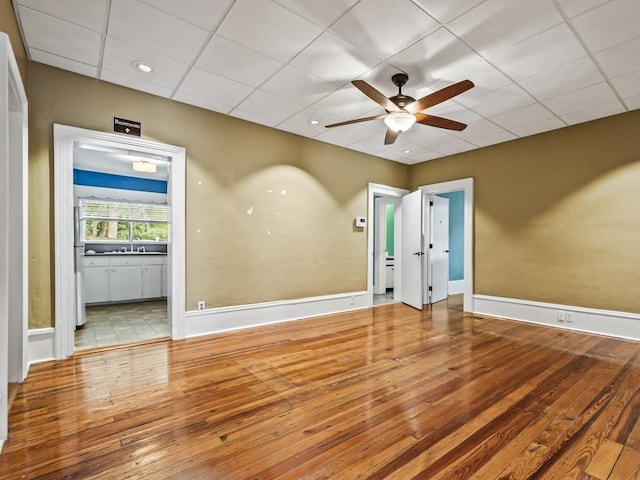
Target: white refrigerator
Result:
[78, 250]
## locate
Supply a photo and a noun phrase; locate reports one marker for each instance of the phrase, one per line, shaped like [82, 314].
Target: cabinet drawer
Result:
[96, 262]
[121, 261]
[154, 260]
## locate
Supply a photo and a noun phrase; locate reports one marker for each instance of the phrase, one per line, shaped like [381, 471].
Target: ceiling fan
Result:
[403, 111]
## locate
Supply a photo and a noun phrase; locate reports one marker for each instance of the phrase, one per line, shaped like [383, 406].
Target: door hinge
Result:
[431, 289]
[431, 245]
[431, 204]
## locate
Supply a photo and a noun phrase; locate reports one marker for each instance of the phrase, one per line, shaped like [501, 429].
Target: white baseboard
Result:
[40, 342]
[215, 320]
[456, 286]
[590, 320]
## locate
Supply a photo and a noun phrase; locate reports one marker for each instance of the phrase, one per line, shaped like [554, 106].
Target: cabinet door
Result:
[96, 284]
[151, 281]
[125, 282]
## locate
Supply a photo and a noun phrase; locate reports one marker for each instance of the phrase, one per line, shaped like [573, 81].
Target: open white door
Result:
[438, 249]
[412, 250]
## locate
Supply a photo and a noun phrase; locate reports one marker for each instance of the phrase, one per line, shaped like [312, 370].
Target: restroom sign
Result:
[130, 127]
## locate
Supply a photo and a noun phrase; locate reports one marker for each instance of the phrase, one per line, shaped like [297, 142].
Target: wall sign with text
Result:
[130, 127]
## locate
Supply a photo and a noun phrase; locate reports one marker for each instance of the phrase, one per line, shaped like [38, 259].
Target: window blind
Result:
[113, 210]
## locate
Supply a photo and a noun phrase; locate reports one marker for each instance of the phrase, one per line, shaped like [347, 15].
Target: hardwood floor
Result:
[387, 392]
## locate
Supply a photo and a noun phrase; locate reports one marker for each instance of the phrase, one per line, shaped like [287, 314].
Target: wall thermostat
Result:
[361, 222]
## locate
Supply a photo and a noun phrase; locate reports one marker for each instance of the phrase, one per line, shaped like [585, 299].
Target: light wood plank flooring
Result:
[387, 392]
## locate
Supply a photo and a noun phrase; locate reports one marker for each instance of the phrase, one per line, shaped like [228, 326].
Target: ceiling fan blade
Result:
[357, 120]
[440, 122]
[375, 95]
[391, 136]
[440, 96]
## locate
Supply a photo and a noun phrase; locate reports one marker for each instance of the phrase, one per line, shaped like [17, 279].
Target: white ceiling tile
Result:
[345, 135]
[322, 13]
[254, 117]
[59, 37]
[298, 86]
[544, 51]
[237, 62]
[574, 75]
[63, 63]
[381, 28]
[371, 145]
[610, 24]
[522, 116]
[628, 85]
[203, 13]
[496, 24]
[444, 12]
[215, 88]
[270, 106]
[137, 23]
[581, 99]
[347, 103]
[576, 7]
[481, 128]
[499, 101]
[539, 127]
[485, 78]
[433, 57]
[301, 121]
[620, 59]
[380, 78]
[594, 113]
[202, 103]
[119, 56]
[334, 60]
[632, 103]
[268, 28]
[134, 83]
[455, 112]
[493, 139]
[91, 14]
[448, 144]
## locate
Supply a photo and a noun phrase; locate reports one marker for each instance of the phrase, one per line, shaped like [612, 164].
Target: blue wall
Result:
[390, 211]
[456, 234]
[108, 180]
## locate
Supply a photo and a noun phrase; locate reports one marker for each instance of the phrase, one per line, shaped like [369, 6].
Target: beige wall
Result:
[269, 214]
[9, 25]
[557, 215]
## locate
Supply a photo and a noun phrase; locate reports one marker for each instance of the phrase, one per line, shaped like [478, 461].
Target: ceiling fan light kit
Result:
[402, 111]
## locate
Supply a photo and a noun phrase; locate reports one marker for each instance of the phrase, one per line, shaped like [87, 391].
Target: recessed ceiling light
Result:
[406, 151]
[314, 122]
[142, 67]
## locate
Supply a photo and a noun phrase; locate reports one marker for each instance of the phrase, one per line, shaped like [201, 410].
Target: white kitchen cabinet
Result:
[96, 280]
[152, 277]
[125, 279]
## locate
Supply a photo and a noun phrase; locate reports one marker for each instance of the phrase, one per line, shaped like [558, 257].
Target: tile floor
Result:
[122, 323]
[383, 298]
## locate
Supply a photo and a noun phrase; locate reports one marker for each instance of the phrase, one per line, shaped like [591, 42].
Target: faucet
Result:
[123, 249]
[141, 249]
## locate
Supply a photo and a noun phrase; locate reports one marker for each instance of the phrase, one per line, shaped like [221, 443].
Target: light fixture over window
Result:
[399, 121]
[142, 67]
[144, 166]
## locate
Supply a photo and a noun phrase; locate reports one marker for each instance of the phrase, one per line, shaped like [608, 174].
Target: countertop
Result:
[113, 254]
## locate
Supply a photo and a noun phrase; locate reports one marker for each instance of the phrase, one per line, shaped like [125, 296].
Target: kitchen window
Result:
[114, 221]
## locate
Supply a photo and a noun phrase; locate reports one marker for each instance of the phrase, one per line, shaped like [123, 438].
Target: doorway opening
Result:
[118, 238]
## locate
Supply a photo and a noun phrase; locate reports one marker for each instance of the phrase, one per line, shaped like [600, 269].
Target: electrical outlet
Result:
[569, 318]
[201, 305]
[562, 316]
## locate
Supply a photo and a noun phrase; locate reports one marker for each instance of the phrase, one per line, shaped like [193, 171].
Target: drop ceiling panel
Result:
[610, 24]
[498, 24]
[444, 12]
[215, 88]
[91, 14]
[138, 24]
[59, 37]
[322, 13]
[237, 62]
[334, 60]
[119, 56]
[567, 78]
[544, 51]
[536, 65]
[298, 86]
[268, 28]
[205, 14]
[367, 26]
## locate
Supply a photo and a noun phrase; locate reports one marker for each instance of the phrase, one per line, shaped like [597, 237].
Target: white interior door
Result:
[439, 249]
[412, 250]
